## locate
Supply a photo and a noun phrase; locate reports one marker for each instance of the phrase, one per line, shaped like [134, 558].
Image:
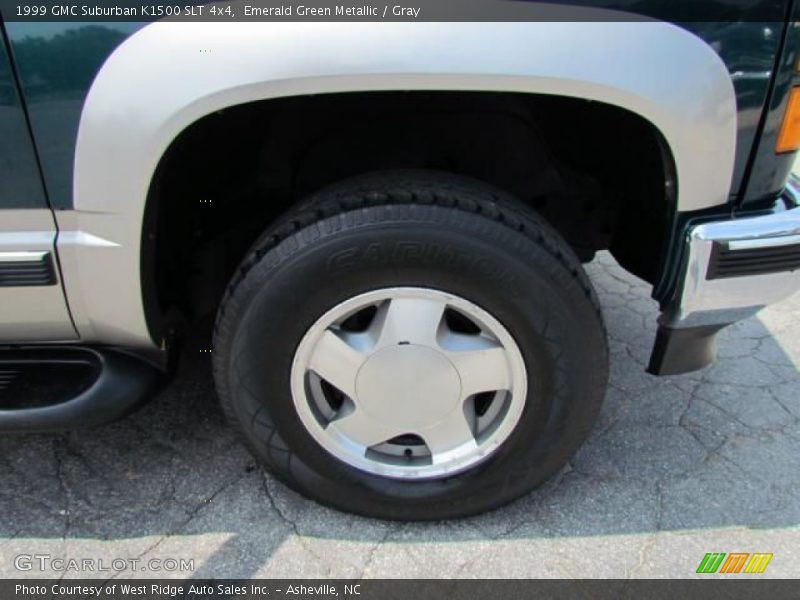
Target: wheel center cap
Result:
[408, 386]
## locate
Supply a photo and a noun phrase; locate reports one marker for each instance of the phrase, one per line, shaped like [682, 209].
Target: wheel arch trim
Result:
[135, 109]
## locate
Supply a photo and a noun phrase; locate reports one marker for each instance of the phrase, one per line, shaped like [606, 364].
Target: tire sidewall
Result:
[514, 279]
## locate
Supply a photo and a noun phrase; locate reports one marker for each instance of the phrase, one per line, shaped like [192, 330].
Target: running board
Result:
[52, 388]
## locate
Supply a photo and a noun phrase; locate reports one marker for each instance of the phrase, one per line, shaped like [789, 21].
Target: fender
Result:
[168, 75]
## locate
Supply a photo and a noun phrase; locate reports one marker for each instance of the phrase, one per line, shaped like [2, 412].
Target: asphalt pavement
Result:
[675, 468]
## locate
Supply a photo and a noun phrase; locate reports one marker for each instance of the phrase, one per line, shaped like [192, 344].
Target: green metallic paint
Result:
[57, 63]
[20, 181]
[768, 172]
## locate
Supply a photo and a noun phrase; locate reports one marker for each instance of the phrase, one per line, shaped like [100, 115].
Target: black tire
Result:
[464, 238]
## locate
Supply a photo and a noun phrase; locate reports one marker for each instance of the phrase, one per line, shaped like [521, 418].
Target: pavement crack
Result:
[189, 518]
[63, 485]
[374, 550]
[643, 552]
[291, 523]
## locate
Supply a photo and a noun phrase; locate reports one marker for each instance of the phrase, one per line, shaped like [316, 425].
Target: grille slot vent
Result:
[26, 271]
[755, 261]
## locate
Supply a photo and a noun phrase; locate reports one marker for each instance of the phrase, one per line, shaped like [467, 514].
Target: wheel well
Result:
[601, 175]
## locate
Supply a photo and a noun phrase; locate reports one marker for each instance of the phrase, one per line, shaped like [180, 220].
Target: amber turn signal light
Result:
[789, 136]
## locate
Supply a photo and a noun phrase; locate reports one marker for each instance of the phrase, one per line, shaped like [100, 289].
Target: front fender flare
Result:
[168, 75]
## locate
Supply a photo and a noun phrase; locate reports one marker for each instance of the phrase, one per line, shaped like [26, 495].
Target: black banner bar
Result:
[387, 10]
[396, 589]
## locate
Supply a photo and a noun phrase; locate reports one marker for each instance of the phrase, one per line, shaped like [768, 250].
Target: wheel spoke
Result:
[482, 369]
[358, 428]
[453, 432]
[407, 363]
[337, 362]
[412, 320]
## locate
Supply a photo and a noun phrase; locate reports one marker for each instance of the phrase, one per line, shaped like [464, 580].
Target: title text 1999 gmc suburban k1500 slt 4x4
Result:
[389, 221]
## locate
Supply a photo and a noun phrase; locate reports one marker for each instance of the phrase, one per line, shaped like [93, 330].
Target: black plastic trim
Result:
[682, 350]
[121, 384]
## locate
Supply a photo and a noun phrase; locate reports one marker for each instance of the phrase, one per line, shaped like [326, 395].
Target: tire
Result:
[412, 230]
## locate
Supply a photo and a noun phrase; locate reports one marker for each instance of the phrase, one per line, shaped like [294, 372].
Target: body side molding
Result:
[158, 82]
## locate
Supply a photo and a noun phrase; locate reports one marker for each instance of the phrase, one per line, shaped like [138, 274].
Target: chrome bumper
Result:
[733, 269]
[738, 267]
